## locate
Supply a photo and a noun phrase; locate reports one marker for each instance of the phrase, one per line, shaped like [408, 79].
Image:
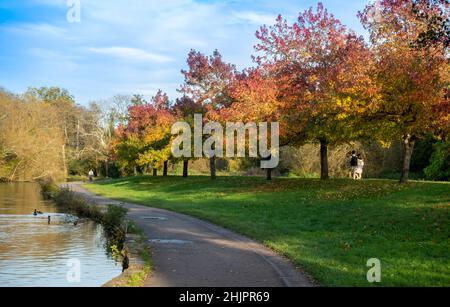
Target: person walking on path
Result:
[91, 176]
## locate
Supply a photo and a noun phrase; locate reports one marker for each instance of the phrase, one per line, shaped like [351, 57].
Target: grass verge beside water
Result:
[328, 228]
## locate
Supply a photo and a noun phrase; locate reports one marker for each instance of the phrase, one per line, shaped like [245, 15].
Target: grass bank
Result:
[330, 228]
[140, 261]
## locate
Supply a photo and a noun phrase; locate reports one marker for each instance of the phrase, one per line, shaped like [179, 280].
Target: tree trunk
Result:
[166, 168]
[408, 148]
[106, 168]
[155, 172]
[269, 173]
[185, 168]
[78, 136]
[324, 159]
[64, 161]
[97, 169]
[135, 171]
[212, 167]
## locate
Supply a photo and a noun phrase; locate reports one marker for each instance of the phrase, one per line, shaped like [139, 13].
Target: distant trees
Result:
[87, 130]
[157, 139]
[31, 139]
[439, 168]
[46, 134]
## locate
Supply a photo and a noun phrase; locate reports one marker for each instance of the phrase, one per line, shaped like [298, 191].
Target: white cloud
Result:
[36, 28]
[132, 54]
[256, 18]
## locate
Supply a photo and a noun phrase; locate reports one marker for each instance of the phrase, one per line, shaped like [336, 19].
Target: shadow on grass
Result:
[330, 228]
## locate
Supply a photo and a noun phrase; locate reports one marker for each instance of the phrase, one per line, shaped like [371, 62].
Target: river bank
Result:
[140, 264]
[126, 242]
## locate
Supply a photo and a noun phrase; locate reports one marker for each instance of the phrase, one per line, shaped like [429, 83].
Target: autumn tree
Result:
[184, 110]
[144, 140]
[128, 143]
[158, 134]
[413, 80]
[96, 132]
[162, 104]
[65, 105]
[161, 101]
[138, 100]
[30, 139]
[436, 21]
[207, 82]
[322, 69]
[256, 99]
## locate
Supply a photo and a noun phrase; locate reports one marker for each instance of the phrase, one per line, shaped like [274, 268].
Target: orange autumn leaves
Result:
[145, 140]
[319, 80]
[323, 73]
[412, 79]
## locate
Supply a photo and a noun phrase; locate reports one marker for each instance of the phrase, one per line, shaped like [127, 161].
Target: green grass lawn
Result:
[330, 229]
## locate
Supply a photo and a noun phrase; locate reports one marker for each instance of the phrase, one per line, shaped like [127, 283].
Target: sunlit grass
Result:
[328, 228]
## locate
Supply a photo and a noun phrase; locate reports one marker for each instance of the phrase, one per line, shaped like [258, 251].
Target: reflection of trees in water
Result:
[32, 236]
[46, 241]
[23, 198]
[33, 253]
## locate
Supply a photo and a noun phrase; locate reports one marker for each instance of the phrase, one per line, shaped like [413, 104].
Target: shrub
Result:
[421, 157]
[439, 168]
[114, 224]
[48, 188]
[112, 220]
[113, 170]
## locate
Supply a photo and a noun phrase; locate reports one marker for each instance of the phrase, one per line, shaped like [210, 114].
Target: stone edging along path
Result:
[188, 252]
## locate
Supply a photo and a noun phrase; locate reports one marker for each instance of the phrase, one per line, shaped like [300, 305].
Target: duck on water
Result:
[36, 212]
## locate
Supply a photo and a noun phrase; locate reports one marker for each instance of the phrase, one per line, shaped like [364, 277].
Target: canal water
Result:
[36, 254]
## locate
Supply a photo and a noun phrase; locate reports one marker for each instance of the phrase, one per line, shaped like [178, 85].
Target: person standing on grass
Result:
[353, 164]
[359, 168]
[91, 176]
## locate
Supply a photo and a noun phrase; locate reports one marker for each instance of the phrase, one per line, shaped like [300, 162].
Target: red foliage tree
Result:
[323, 72]
[413, 79]
[207, 83]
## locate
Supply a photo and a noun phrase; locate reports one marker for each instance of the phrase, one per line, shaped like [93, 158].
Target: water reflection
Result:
[33, 253]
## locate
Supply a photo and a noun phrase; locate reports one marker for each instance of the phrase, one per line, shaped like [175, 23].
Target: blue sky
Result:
[133, 46]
